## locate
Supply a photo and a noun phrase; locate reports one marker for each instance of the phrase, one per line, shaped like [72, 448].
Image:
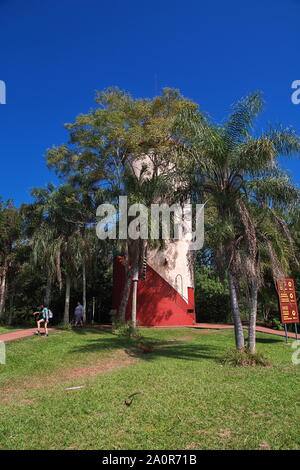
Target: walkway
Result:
[18, 334]
[261, 329]
[208, 326]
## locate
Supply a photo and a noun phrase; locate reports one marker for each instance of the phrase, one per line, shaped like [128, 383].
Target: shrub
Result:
[212, 301]
[17, 318]
[276, 324]
[64, 326]
[244, 358]
[121, 328]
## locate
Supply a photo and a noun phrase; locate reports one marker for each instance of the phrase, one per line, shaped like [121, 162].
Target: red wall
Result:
[158, 303]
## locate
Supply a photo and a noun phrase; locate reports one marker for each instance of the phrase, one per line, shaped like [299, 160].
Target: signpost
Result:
[288, 303]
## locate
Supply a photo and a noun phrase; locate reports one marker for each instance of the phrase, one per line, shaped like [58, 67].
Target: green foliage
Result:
[244, 359]
[211, 296]
[117, 132]
[248, 199]
[277, 324]
[121, 328]
[252, 223]
[65, 326]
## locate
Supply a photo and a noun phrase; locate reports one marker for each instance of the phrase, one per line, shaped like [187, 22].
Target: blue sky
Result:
[54, 54]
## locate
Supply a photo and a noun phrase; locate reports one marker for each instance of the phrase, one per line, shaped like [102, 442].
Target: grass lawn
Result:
[7, 329]
[190, 399]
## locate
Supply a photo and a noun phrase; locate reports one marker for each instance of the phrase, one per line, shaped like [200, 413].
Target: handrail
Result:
[171, 284]
[180, 276]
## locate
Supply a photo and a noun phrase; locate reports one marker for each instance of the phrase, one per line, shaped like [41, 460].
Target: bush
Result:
[212, 300]
[64, 326]
[17, 318]
[276, 324]
[121, 328]
[244, 358]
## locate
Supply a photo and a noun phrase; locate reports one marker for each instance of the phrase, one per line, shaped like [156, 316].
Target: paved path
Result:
[261, 329]
[211, 326]
[19, 334]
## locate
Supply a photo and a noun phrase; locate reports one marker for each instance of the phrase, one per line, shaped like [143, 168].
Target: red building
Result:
[166, 296]
[160, 302]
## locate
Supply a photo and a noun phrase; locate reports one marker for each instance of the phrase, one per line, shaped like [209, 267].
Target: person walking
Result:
[78, 315]
[44, 319]
[38, 315]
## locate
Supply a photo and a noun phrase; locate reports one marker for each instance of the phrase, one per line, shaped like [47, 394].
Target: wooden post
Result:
[93, 314]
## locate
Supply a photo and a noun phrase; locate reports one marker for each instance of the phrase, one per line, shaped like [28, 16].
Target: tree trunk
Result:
[135, 278]
[3, 285]
[67, 300]
[48, 289]
[12, 292]
[126, 294]
[252, 317]
[238, 327]
[84, 290]
[139, 254]
[10, 318]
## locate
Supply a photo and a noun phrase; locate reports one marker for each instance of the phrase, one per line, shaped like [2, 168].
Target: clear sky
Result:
[54, 54]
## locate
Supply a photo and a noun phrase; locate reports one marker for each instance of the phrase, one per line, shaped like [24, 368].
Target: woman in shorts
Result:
[44, 319]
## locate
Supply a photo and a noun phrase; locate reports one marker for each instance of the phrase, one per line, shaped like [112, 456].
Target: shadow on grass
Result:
[270, 340]
[173, 349]
[88, 330]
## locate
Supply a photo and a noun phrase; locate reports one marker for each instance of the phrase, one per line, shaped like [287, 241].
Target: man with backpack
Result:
[46, 315]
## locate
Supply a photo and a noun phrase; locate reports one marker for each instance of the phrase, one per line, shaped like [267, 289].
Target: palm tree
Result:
[147, 180]
[88, 243]
[104, 142]
[270, 246]
[10, 235]
[56, 240]
[220, 163]
[19, 263]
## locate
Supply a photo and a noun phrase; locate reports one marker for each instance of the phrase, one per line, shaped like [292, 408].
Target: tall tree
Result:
[268, 244]
[56, 240]
[220, 163]
[10, 235]
[111, 139]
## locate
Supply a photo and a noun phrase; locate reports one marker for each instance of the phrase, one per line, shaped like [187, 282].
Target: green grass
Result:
[190, 399]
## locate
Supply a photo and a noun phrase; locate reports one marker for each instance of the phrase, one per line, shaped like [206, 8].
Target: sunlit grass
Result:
[7, 329]
[190, 399]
